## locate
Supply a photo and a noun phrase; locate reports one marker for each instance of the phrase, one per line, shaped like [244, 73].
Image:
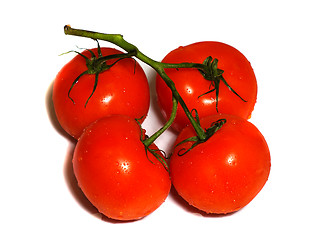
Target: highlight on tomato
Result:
[96, 83]
[115, 171]
[232, 90]
[223, 174]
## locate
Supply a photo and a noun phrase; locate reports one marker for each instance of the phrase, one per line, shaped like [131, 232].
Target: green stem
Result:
[147, 142]
[197, 127]
[199, 66]
[159, 67]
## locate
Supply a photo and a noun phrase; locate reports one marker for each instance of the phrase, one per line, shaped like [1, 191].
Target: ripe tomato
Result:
[122, 89]
[191, 84]
[226, 172]
[113, 171]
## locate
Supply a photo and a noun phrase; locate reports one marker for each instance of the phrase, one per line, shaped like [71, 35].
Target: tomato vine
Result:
[208, 69]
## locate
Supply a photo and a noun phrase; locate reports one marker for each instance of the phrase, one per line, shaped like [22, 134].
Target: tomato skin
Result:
[226, 172]
[191, 84]
[112, 169]
[122, 89]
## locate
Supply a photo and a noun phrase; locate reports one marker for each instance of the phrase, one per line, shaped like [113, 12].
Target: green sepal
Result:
[97, 65]
[215, 75]
[155, 152]
[215, 126]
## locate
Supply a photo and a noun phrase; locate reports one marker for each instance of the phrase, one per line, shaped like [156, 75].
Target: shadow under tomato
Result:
[71, 182]
[191, 209]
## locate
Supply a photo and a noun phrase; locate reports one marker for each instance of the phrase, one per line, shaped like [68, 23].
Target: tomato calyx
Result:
[96, 65]
[215, 75]
[160, 155]
[209, 132]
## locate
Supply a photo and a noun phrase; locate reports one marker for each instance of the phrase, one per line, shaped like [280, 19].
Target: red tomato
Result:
[113, 171]
[122, 89]
[190, 83]
[226, 172]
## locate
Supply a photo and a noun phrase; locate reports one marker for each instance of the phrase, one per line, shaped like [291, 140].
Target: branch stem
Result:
[159, 67]
[147, 142]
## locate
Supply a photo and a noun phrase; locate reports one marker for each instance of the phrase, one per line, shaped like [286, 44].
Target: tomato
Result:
[226, 172]
[122, 89]
[192, 86]
[114, 172]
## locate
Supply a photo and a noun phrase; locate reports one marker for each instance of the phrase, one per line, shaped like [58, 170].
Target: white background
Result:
[282, 40]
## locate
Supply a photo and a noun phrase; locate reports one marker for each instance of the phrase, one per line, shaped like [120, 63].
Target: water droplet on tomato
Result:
[106, 99]
[232, 160]
[188, 89]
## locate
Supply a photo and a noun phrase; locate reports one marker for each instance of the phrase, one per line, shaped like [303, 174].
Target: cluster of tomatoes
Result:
[103, 108]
